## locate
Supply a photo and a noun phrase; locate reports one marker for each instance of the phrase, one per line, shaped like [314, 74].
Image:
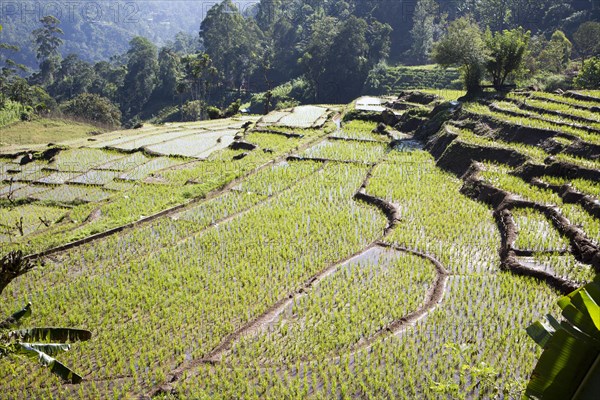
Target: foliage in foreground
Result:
[13, 265]
[569, 366]
[33, 343]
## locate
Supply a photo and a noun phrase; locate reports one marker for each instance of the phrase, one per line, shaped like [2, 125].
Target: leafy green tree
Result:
[499, 15]
[232, 42]
[536, 45]
[378, 37]
[315, 57]
[286, 36]
[587, 40]
[463, 46]
[589, 77]
[507, 50]
[108, 79]
[347, 63]
[169, 66]
[8, 70]
[74, 77]
[495, 14]
[47, 42]
[140, 80]
[423, 31]
[185, 43]
[93, 108]
[555, 57]
[199, 76]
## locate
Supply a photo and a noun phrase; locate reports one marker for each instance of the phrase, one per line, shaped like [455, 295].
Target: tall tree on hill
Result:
[74, 77]
[108, 80]
[587, 40]
[378, 37]
[495, 14]
[232, 42]
[315, 58]
[348, 63]
[285, 36]
[463, 46]
[47, 43]
[426, 18]
[140, 80]
[8, 70]
[168, 71]
[199, 76]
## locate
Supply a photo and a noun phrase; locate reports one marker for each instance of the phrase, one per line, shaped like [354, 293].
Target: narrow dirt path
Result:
[510, 261]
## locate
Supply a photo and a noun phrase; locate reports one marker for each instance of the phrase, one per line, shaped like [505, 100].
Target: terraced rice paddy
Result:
[298, 117]
[309, 262]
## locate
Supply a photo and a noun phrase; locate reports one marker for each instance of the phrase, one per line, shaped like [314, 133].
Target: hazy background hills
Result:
[97, 30]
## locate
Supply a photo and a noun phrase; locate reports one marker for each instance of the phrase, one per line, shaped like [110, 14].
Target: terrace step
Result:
[523, 105]
[581, 96]
[496, 108]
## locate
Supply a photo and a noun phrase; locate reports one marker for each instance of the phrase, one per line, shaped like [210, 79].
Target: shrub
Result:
[193, 110]
[214, 112]
[168, 114]
[233, 108]
[289, 94]
[589, 77]
[12, 111]
[93, 108]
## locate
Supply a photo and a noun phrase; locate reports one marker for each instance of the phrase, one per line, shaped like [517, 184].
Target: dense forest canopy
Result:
[149, 58]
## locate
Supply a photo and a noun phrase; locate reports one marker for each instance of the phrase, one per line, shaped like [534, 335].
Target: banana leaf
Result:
[14, 319]
[569, 367]
[52, 349]
[59, 335]
[56, 367]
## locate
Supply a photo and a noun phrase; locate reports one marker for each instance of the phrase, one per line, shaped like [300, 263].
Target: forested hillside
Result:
[188, 60]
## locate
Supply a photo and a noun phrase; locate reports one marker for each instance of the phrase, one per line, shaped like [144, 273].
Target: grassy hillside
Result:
[44, 131]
